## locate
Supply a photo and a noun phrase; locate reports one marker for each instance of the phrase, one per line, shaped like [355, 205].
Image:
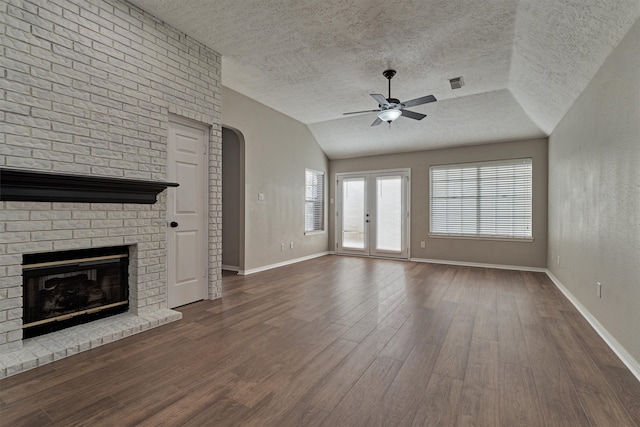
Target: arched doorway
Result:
[232, 200]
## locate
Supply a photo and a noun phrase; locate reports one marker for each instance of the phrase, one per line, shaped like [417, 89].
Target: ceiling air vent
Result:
[456, 82]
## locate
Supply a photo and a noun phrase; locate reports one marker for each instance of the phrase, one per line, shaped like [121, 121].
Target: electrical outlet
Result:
[558, 262]
[291, 245]
[282, 246]
[599, 289]
[422, 244]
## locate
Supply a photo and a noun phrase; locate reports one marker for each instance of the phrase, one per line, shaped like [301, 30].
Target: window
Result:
[313, 201]
[488, 199]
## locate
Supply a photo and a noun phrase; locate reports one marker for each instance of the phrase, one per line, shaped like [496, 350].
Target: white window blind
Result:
[488, 199]
[314, 201]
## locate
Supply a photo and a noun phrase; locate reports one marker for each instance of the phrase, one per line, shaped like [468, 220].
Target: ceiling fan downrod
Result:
[389, 75]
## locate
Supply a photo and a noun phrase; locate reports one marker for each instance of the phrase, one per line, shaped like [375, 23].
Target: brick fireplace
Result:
[38, 227]
[90, 88]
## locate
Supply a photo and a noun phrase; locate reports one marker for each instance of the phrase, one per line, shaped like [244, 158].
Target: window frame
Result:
[477, 199]
[315, 200]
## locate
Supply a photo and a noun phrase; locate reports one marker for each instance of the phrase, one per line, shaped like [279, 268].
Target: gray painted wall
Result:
[528, 254]
[277, 151]
[231, 193]
[594, 195]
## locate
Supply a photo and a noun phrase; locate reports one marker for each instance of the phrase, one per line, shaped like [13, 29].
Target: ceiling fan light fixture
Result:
[389, 115]
[389, 109]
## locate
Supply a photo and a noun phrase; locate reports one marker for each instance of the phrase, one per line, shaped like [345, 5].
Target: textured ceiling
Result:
[524, 62]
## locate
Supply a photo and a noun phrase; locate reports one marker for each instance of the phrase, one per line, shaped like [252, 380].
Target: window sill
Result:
[497, 239]
[311, 233]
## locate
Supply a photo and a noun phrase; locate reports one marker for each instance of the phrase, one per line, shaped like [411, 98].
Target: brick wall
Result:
[87, 87]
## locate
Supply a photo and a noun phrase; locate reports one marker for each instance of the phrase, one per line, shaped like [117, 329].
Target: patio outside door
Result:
[372, 214]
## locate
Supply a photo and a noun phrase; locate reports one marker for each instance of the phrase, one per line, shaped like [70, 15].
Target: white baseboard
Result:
[230, 267]
[281, 264]
[618, 349]
[479, 264]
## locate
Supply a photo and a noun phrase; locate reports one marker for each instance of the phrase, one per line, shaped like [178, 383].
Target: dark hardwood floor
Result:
[344, 341]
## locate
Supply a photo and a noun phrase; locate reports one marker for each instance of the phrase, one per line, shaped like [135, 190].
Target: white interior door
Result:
[372, 214]
[187, 213]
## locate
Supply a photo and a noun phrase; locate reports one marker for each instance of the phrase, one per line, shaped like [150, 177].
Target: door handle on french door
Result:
[173, 224]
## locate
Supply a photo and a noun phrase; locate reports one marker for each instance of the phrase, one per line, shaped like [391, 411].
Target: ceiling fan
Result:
[390, 108]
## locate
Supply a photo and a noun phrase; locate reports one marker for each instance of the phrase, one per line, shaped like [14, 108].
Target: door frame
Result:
[184, 121]
[338, 205]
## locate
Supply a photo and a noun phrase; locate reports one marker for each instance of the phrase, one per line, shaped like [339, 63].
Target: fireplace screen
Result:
[62, 289]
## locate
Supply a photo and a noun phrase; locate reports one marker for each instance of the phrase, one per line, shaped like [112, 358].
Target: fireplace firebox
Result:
[66, 288]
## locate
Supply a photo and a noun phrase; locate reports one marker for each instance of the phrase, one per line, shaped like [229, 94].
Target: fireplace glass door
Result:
[61, 292]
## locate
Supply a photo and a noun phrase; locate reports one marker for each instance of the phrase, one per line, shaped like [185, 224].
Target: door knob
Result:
[173, 224]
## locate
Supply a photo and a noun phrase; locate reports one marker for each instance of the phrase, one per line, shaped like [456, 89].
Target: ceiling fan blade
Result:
[419, 101]
[376, 122]
[358, 112]
[380, 99]
[413, 115]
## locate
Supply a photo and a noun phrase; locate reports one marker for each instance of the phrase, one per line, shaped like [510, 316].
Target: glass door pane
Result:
[353, 213]
[389, 213]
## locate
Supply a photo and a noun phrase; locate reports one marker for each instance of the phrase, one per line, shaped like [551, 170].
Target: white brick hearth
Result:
[48, 348]
[88, 89]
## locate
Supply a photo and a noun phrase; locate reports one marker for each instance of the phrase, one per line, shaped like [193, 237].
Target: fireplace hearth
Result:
[66, 288]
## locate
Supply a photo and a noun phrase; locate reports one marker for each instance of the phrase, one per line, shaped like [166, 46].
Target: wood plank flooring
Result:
[345, 341]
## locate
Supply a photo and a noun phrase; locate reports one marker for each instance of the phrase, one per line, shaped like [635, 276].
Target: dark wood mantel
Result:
[35, 186]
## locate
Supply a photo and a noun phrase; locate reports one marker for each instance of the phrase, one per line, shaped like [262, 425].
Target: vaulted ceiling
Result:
[524, 62]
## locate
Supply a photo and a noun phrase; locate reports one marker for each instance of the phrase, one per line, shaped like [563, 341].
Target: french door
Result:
[372, 213]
